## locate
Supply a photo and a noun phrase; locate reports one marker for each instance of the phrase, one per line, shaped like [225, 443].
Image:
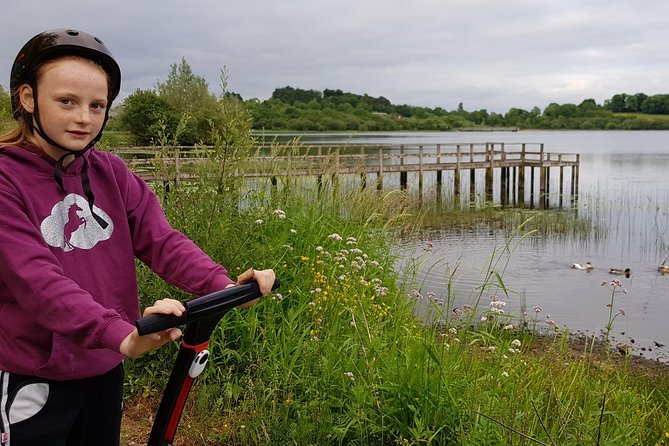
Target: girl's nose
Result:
[83, 115]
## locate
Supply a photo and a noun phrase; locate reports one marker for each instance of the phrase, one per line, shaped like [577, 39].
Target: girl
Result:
[72, 220]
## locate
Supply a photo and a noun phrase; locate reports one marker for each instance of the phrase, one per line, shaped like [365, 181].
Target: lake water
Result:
[624, 190]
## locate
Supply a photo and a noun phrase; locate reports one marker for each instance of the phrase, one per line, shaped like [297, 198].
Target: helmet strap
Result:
[58, 169]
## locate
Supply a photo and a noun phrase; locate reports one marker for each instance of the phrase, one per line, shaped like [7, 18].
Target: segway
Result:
[200, 318]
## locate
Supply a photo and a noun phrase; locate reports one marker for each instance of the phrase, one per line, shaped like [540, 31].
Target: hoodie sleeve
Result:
[168, 252]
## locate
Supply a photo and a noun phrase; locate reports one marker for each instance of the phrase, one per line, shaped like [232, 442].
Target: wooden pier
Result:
[519, 174]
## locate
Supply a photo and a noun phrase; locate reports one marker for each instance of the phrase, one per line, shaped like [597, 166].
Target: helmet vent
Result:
[72, 32]
[98, 41]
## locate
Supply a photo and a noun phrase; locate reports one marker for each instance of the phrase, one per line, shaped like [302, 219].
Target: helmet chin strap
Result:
[58, 169]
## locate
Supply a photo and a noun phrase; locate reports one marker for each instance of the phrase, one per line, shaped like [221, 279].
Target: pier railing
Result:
[514, 161]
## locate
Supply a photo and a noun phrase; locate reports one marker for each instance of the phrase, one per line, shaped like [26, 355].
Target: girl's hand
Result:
[265, 279]
[135, 345]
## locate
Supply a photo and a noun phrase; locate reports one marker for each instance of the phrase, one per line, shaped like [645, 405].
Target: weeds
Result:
[339, 356]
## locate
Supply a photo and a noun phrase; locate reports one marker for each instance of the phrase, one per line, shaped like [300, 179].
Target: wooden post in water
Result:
[521, 179]
[319, 179]
[403, 174]
[472, 175]
[503, 179]
[578, 163]
[490, 153]
[438, 177]
[379, 179]
[542, 177]
[532, 169]
[363, 174]
[561, 183]
[456, 174]
[335, 175]
[420, 172]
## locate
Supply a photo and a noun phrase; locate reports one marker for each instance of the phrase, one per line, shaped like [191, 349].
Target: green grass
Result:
[647, 116]
[337, 356]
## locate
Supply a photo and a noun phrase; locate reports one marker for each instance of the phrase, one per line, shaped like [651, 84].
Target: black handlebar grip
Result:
[217, 303]
[159, 322]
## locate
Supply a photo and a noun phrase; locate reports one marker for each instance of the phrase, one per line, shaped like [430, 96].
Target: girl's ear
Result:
[27, 98]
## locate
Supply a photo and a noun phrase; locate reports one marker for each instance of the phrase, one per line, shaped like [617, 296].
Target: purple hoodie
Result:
[68, 287]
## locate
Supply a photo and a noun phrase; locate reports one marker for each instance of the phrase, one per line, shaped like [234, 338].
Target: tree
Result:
[148, 117]
[185, 91]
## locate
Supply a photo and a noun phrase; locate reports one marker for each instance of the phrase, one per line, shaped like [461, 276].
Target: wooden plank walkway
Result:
[513, 160]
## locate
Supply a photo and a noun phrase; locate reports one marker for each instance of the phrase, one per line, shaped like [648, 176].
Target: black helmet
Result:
[55, 43]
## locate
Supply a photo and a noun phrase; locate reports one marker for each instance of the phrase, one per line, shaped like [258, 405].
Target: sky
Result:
[483, 54]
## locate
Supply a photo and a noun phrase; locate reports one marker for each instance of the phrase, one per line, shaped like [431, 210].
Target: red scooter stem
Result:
[201, 317]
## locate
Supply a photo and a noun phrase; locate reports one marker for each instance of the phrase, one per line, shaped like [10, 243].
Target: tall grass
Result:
[338, 356]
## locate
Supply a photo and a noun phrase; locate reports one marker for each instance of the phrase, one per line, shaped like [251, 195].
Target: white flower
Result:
[278, 297]
[516, 342]
[293, 231]
[279, 213]
[350, 375]
[259, 221]
[335, 236]
[505, 374]
[508, 327]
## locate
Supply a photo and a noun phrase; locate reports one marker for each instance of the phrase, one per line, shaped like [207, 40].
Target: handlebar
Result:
[217, 303]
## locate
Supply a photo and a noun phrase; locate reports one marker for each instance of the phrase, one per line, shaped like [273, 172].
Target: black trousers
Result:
[41, 412]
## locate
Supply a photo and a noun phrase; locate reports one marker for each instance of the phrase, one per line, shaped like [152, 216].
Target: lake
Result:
[623, 189]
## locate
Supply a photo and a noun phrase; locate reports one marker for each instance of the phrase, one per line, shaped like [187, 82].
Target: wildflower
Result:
[335, 236]
[351, 241]
[288, 247]
[259, 221]
[278, 297]
[505, 374]
[350, 375]
[516, 343]
[453, 330]
[293, 231]
[280, 214]
[319, 248]
[483, 318]
[537, 309]
[491, 348]
[508, 327]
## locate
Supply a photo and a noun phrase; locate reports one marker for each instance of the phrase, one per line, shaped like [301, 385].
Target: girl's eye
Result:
[98, 106]
[65, 101]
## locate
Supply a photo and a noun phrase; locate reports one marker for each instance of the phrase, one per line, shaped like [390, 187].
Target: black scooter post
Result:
[201, 317]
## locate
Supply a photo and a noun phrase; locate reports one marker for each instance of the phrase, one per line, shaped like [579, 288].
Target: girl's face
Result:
[72, 94]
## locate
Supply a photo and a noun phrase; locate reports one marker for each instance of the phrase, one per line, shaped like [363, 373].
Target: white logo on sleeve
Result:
[71, 225]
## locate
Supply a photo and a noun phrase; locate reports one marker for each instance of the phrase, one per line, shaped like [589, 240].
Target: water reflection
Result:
[624, 193]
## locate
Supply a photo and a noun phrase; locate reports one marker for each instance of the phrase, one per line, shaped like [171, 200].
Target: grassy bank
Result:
[337, 356]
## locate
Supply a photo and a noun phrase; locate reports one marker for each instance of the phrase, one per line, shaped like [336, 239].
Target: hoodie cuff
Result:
[219, 282]
[115, 333]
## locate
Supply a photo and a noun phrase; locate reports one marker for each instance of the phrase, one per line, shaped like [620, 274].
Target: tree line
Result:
[183, 110]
